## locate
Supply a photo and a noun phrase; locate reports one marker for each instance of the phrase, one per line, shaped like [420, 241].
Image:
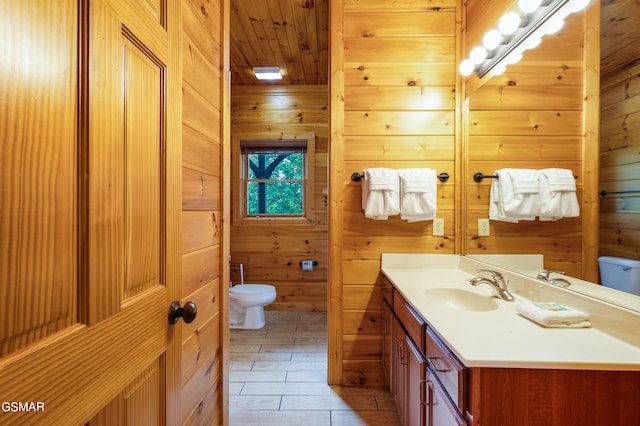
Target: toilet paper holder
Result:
[307, 265]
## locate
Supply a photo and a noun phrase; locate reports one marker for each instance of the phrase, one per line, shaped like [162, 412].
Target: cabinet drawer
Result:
[387, 291]
[447, 368]
[441, 411]
[410, 320]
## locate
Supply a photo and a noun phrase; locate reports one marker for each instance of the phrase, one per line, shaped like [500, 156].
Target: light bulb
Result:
[499, 70]
[466, 67]
[514, 58]
[528, 6]
[577, 5]
[509, 23]
[492, 39]
[553, 26]
[533, 42]
[478, 54]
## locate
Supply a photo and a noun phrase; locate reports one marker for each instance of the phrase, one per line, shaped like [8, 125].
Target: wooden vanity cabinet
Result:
[445, 392]
[415, 362]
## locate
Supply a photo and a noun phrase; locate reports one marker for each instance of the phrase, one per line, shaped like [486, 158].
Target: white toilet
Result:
[246, 304]
[621, 274]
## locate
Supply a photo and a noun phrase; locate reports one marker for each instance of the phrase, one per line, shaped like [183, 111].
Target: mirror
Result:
[620, 38]
[532, 264]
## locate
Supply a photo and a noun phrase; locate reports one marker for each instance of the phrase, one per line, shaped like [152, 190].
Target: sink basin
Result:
[462, 300]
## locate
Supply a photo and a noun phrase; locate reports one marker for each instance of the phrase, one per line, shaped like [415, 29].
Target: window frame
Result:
[239, 195]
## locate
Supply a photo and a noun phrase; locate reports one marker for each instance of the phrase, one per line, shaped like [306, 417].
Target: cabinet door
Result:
[398, 367]
[415, 399]
[387, 343]
[441, 411]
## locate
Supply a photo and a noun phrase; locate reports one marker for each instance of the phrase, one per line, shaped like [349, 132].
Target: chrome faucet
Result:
[498, 284]
[560, 282]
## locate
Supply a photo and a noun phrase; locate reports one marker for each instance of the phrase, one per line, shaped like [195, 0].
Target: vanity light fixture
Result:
[518, 32]
[267, 73]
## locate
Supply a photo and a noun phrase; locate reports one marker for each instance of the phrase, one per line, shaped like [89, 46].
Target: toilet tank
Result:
[621, 274]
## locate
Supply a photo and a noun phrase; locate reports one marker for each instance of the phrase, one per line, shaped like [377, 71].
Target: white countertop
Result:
[501, 337]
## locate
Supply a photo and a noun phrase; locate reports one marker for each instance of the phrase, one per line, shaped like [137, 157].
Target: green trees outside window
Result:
[275, 183]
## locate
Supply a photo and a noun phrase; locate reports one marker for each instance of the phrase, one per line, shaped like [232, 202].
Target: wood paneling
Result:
[399, 100]
[271, 252]
[204, 342]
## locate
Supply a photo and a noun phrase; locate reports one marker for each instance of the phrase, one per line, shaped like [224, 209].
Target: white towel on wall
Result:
[380, 193]
[417, 194]
[515, 195]
[558, 194]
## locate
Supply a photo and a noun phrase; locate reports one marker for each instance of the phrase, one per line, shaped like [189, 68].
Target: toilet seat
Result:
[247, 289]
[252, 294]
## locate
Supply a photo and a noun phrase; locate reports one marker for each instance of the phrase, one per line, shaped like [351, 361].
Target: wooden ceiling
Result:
[290, 34]
[293, 35]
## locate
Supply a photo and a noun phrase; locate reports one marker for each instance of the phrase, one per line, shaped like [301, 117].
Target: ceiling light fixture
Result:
[517, 33]
[267, 73]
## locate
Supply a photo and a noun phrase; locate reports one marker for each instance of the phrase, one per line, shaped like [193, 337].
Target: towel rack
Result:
[356, 177]
[631, 191]
[477, 177]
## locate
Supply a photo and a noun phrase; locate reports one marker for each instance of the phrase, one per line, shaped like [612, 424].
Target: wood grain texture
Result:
[542, 398]
[38, 227]
[204, 102]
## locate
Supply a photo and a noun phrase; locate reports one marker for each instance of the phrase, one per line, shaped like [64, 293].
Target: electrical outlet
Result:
[438, 227]
[483, 228]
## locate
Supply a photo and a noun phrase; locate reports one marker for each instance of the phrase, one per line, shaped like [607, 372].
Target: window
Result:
[275, 178]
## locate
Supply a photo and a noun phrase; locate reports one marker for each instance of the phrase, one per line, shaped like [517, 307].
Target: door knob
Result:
[188, 313]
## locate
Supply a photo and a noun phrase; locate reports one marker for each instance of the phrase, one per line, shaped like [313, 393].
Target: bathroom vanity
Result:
[455, 355]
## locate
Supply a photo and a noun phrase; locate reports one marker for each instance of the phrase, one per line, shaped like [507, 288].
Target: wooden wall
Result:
[203, 88]
[271, 253]
[396, 108]
[620, 163]
[389, 62]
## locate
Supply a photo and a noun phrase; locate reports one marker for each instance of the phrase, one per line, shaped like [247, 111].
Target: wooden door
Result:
[90, 199]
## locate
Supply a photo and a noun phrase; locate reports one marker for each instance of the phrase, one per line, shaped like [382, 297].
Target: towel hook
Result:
[356, 177]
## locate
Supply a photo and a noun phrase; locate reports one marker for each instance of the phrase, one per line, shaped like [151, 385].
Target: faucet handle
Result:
[497, 276]
[544, 275]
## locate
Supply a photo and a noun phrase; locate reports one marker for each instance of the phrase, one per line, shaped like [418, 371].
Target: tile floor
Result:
[278, 376]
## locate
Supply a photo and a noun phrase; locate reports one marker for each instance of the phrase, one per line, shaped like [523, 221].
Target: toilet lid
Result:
[252, 289]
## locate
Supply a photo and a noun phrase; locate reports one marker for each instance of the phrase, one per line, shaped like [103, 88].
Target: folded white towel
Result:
[558, 194]
[417, 194]
[380, 193]
[553, 315]
[514, 195]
